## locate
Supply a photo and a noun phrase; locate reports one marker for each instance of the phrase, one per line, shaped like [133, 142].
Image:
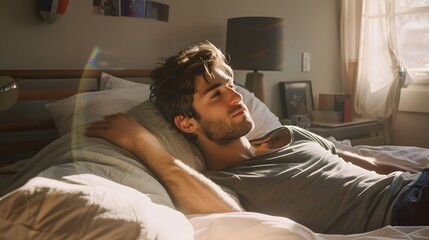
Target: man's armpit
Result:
[233, 195]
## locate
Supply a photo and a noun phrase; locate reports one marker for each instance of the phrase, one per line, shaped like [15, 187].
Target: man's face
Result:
[224, 117]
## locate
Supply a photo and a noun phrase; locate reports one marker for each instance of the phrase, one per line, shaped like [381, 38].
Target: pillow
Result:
[172, 140]
[108, 81]
[82, 108]
[86, 107]
[85, 206]
[265, 120]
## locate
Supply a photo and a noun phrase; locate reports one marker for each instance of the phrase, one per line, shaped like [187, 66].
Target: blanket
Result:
[81, 187]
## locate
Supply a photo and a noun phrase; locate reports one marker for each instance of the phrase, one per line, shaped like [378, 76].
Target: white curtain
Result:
[351, 16]
[377, 87]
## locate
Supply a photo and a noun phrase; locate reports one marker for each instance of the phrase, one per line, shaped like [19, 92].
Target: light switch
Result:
[306, 59]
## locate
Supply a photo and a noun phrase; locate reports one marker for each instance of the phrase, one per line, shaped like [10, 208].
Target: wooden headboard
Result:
[27, 127]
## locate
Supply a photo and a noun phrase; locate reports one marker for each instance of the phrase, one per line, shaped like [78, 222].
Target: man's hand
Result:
[120, 129]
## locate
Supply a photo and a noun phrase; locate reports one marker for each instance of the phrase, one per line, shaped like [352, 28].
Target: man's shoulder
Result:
[272, 134]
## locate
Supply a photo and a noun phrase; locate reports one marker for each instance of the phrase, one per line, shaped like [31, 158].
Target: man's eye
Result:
[215, 94]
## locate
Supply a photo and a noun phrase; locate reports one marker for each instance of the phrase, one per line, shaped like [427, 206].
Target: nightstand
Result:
[359, 131]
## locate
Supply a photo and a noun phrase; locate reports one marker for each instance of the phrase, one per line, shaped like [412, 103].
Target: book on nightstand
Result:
[337, 102]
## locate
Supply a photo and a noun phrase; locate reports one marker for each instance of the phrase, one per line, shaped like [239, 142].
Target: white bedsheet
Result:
[255, 226]
[62, 203]
[414, 159]
[80, 174]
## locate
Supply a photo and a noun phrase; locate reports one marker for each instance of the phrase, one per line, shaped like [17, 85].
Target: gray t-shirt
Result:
[308, 183]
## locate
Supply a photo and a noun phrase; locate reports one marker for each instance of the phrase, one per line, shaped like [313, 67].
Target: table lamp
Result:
[8, 92]
[255, 43]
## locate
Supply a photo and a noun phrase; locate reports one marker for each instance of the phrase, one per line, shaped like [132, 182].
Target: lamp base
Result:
[255, 84]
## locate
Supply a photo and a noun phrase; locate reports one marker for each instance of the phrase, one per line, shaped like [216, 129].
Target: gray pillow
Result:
[173, 141]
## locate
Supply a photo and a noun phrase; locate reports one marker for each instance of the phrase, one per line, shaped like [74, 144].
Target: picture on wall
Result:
[296, 99]
[106, 7]
[157, 11]
[132, 8]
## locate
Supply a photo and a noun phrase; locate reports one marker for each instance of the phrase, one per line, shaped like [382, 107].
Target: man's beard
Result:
[223, 132]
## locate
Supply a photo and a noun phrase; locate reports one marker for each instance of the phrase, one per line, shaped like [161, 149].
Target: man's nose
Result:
[235, 97]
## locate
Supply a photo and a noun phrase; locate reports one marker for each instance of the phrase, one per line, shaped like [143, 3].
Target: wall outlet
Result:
[306, 59]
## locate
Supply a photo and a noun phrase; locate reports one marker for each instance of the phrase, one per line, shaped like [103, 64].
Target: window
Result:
[412, 29]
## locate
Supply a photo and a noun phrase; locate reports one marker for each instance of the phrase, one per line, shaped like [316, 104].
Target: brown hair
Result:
[173, 84]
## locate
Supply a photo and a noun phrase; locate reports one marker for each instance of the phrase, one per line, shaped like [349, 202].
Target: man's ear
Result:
[185, 124]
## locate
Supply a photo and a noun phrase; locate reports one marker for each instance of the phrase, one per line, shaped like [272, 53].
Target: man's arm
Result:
[193, 192]
[367, 162]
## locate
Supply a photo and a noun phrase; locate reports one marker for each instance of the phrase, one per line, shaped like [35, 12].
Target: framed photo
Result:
[296, 98]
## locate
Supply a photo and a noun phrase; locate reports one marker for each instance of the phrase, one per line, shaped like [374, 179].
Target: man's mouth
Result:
[239, 112]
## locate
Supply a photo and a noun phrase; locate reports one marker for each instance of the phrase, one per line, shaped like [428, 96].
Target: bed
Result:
[58, 184]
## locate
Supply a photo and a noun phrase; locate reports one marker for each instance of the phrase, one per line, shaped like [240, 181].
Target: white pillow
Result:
[108, 81]
[122, 95]
[82, 108]
[265, 120]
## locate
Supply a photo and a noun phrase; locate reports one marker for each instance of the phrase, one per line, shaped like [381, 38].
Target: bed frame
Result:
[27, 127]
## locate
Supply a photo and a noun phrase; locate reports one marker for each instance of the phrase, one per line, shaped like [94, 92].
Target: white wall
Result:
[311, 25]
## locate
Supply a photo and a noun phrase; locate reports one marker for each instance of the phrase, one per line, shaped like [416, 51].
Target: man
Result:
[291, 172]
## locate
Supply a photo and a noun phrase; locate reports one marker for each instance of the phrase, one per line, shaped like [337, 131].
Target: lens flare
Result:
[87, 84]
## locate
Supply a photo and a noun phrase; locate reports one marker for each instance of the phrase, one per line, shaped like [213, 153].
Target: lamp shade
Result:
[255, 43]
